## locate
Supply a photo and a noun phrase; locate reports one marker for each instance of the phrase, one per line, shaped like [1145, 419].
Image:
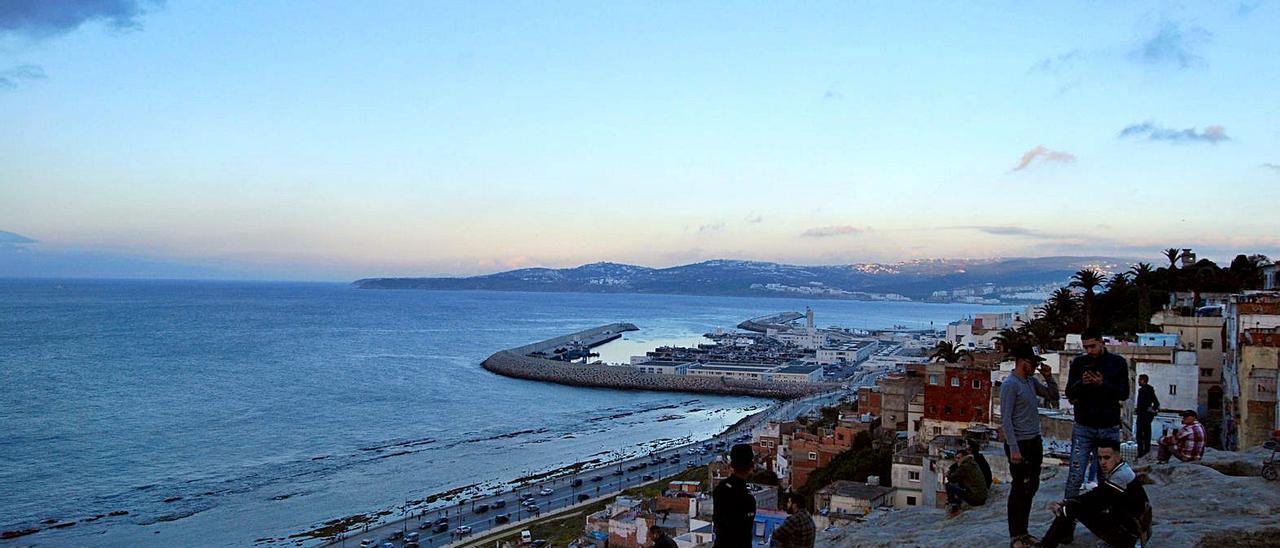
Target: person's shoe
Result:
[1023, 541]
[953, 510]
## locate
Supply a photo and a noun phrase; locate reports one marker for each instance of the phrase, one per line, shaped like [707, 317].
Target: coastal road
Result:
[594, 483]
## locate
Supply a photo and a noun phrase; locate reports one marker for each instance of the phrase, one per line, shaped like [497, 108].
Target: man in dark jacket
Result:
[735, 508]
[660, 537]
[965, 483]
[1146, 408]
[1117, 510]
[1097, 385]
[976, 451]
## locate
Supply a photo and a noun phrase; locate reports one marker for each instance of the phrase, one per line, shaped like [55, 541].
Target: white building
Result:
[664, 368]
[797, 373]
[1177, 384]
[846, 352]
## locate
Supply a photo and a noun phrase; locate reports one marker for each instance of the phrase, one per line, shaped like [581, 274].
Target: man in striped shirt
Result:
[1187, 444]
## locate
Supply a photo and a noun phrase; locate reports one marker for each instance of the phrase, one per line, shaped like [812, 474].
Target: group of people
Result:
[1102, 491]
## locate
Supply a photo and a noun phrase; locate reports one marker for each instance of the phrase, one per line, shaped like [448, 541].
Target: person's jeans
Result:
[1144, 434]
[956, 494]
[1026, 481]
[1104, 526]
[1084, 452]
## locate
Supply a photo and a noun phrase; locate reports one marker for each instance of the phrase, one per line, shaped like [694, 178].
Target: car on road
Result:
[395, 535]
[618, 472]
[388, 545]
[633, 468]
[462, 530]
[648, 477]
[583, 497]
[439, 528]
[367, 543]
[527, 503]
[411, 537]
[482, 508]
[499, 503]
[501, 519]
[546, 491]
[577, 482]
[533, 509]
[441, 521]
[539, 543]
[597, 478]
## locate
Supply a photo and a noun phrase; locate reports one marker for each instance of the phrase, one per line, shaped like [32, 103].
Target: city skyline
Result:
[241, 140]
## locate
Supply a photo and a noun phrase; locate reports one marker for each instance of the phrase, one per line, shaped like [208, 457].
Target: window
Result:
[933, 380]
[913, 475]
[946, 410]
[813, 456]
[955, 381]
[1206, 371]
[1206, 344]
[977, 384]
[911, 501]
[933, 409]
[1173, 390]
[937, 430]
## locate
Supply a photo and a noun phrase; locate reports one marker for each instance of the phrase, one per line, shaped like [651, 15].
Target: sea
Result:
[208, 413]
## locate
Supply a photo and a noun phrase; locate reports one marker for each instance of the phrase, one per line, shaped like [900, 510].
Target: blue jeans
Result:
[1084, 452]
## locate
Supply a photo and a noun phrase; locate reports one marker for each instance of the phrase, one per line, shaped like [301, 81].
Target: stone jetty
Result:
[517, 363]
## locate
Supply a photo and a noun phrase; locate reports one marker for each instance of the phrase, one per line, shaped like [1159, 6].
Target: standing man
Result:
[1020, 425]
[798, 530]
[735, 508]
[1147, 407]
[1098, 385]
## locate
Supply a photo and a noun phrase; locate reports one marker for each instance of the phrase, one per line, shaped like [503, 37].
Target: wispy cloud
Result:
[1155, 132]
[45, 18]
[1172, 45]
[1057, 63]
[754, 218]
[832, 95]
[1271, 166]
[1245, 9]
[1044, 156]
[9, 79]
[829, 231]
[710, 227]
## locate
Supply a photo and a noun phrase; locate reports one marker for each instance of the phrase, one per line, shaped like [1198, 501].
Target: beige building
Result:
[1204, 335]
[1252, 366]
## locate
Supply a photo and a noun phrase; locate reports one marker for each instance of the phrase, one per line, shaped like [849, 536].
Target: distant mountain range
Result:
[988, 281]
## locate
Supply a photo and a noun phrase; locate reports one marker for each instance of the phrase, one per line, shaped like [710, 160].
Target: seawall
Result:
[518, 364]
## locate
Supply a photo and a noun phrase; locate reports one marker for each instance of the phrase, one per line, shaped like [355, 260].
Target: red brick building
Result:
[956, 396]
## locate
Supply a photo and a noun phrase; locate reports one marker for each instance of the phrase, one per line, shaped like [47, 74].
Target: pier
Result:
[529, 362]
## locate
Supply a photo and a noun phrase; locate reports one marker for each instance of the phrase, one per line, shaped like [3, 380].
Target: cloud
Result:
[1271, 166]
[829, 231]
[45, 18]
[754, 218]
[1172, 45]
[9, 79]
[1045, 156]
[1058, 62]
[1155, 132]
[712, 227]
[9, 238]
[832, 95]
[1245, 9]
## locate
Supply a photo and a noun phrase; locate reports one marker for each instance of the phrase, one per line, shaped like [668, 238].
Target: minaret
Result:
[808, 315]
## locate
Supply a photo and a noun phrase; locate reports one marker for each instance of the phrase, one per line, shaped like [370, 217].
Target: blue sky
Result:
[333, 140]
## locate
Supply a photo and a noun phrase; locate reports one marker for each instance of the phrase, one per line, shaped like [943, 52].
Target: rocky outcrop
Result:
[1194, 504]
[513, 364]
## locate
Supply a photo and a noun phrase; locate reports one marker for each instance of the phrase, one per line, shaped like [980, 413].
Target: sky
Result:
[339, 140]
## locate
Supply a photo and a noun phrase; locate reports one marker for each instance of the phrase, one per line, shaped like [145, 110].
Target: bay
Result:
[219, 413]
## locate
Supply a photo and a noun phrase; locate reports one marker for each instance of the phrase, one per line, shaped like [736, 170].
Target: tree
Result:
[945, 351]
[1008, 339]
[1087, 279]
[1172, 254]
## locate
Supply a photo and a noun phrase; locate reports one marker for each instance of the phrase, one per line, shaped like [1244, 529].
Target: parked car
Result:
[463, 530]
[539, 543]
[482, 508]
[583, 497]
[546, 491]
[368, 543]
[648, 477]
[526, 537]
[501, 518]
[440, 528]
[499, 503]
[411, 537]
[442, 521]
[597, 478]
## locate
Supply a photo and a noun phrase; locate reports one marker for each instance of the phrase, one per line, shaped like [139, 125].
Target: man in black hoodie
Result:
[1146, 408]
[1097, 385]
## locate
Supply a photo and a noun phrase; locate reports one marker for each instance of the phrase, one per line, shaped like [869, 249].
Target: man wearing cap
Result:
[1187, 444]
[735, 508]
[1020, 423]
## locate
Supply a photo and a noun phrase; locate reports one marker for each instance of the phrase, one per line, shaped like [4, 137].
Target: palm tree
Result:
[1172, 254]
[1087, 279]
[1061, 310]
[945, 351]
[1007, 339]
[1142, 273]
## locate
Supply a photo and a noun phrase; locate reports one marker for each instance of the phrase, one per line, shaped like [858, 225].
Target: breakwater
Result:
[517, 363]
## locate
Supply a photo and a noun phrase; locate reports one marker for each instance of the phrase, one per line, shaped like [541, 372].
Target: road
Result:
[595, 483]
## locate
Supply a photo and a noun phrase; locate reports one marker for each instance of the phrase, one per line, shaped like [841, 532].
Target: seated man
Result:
[1116, 510]
[1187, 444]
[965, 483]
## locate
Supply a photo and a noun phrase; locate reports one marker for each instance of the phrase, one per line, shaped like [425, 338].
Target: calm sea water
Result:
[222, 413]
